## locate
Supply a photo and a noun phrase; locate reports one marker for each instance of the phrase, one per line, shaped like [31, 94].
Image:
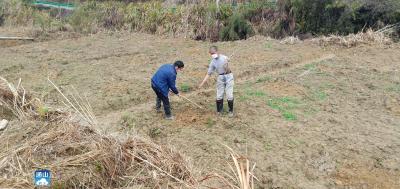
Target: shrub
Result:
[111, 15]
[203, 22]
[153, 16]
[85, 18]
[236, 28]
[42, 20]
[16, 13]
[2, 16]
[376, 14]
[340, 17]
[256, 11]
[172, 22]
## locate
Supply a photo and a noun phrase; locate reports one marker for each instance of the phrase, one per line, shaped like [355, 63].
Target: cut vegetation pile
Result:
[77, 155]
[369, 37]
[80, 157]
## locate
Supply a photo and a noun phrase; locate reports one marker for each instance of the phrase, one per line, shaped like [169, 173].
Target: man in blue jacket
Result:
[163, 81]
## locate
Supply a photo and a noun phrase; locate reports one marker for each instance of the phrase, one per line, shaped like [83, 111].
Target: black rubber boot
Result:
[220, 106]
[230, 105]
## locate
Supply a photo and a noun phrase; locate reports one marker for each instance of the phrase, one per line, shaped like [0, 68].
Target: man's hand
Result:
[204, 81]
[172, 93]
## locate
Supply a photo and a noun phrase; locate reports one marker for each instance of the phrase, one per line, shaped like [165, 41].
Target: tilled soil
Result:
[308, 116]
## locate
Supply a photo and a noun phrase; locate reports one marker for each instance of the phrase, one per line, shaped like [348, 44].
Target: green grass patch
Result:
[210, 122]
[320, 95]
[310, 66]
[290, 116]
[128, 121]
[250, 93]
[264, 79]
[99, 167]
[255, 93]
[327, 86]
[243, 98]
[268, 45]
[268, 145]
[155, 132]
[285, 105]
[310, 111]
[394, 88]
[43, 111]
[317, 93]
[185, 87]
[294, 143]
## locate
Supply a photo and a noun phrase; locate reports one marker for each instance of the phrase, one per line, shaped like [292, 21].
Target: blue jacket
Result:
[164, 79]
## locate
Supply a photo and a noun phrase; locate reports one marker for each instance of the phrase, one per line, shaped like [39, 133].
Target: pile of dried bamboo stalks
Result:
[369, 37]
[78, 155]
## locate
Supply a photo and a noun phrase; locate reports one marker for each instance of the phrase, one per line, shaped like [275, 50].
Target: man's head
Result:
[213, 51]
[179, 65]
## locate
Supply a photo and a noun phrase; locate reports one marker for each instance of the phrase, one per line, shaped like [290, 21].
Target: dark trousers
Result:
[163, 99]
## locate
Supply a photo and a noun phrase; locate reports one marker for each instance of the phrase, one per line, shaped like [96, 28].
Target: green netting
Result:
[68, 6]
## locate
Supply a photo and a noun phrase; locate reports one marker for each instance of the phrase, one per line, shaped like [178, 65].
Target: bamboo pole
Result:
[16, 38]
[191, 102]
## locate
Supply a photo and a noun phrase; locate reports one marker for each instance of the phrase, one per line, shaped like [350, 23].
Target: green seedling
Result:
[43, 111]
[98, 166]
[186, 88]
[154, 132]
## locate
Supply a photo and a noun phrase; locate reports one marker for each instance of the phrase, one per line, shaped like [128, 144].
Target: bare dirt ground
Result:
[309, 117]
